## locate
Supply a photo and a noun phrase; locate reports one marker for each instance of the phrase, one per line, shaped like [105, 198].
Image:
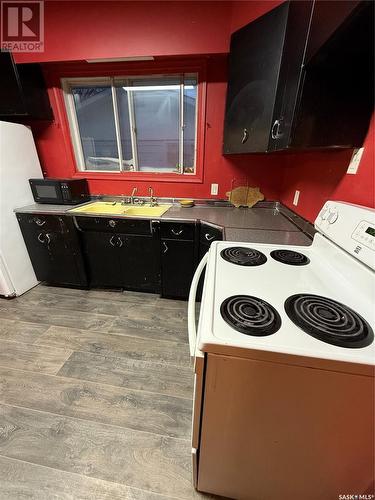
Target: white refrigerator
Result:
[18, 163]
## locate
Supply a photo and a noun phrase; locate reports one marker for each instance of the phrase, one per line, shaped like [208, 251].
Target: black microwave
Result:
[60, 191]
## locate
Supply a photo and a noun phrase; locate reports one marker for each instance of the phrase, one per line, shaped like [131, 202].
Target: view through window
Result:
[144, 124]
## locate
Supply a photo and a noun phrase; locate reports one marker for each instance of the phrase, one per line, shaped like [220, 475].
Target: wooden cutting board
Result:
[244, 196]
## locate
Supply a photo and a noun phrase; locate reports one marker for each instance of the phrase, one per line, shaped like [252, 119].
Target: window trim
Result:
[87, 81]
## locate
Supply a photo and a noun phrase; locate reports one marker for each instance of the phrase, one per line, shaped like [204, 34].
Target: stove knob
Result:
[324, 214]
[333, 216]
[112, 223]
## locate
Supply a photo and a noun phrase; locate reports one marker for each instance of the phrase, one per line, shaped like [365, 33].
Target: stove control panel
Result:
[364, 233]
[351, 227]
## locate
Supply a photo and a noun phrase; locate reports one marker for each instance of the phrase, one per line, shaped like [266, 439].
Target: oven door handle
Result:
[192, 328]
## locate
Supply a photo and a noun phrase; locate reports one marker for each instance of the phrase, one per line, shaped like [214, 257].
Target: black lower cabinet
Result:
[121, 260]
[178, 263]
[140, 255]
[102, 260]
[54, 249]
[140, 262]
[207, 235]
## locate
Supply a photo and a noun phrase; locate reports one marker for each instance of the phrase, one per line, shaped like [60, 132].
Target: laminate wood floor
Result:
[95, 396]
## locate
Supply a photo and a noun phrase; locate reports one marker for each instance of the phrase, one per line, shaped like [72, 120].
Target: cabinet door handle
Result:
[48, 238]
[209, 237]
[275, 130]
[245, 136]
[165, 247]
[40, 238]
[120, 242]
[177, 233]
[111, 240]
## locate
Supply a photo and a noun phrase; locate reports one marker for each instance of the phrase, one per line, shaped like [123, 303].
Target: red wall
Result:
[79, 30]
[320, 176]
[82, 30]
[265, 171]
[245, 12]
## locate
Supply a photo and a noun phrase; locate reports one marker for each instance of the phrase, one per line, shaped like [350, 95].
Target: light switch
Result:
[214, 189]
[296, 197]
[355, 161]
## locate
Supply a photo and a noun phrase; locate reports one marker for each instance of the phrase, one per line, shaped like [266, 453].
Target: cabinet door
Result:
[336, 98]
[53, 250]
[11, 96]
[37, 246]
[291, 73]
[178, 264]
[208, 235]
[254, 63]
[62, 264]
[139, 262]
[22, 90]
[102, 257]
[52, 258]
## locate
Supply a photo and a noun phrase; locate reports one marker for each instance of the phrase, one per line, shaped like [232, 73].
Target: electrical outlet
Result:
[296, 197]
[355, 161]
[214, 189]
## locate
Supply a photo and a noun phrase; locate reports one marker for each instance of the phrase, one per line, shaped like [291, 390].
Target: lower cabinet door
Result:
[52, 255]
[39, 251]
[63, 264]
[102, 258]
[203, 249]
[177, 267]
[139, 262]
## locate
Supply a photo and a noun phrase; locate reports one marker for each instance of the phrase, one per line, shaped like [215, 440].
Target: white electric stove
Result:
[295, 323]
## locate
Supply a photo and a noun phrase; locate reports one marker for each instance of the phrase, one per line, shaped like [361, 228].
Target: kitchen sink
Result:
[147, 210]
[117, 208]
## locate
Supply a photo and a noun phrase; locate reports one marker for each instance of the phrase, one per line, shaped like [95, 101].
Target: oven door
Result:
[46, 191]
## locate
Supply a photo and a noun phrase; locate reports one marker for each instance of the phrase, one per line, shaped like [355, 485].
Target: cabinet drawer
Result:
[42, 222]
[112, 225]
[177, 231]
[208, 234]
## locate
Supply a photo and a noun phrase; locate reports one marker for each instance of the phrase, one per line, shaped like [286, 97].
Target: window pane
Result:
[94, 109]
[157, 110]
[123, 111]
[190, 104]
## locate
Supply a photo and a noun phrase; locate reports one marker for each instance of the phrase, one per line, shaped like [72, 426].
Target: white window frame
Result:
[68, 83]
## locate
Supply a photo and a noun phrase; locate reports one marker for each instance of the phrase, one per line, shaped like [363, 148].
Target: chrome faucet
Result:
[132, 195]
[153, 201]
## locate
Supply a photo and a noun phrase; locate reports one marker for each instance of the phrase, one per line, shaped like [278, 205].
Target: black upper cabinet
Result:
[254, 65]
[22, 91]
[336, 94]
[301, 76]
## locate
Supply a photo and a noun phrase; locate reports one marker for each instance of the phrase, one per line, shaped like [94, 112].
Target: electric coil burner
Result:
[243, 256]
[290, 257]
[250, 315]
[329, 321]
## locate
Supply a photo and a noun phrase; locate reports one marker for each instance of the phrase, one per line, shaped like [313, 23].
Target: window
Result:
[137, 124]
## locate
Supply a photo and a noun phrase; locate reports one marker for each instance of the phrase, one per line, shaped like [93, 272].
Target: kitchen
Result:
[155, 156]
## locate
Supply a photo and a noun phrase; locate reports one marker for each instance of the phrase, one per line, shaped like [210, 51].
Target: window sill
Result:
[139, 176]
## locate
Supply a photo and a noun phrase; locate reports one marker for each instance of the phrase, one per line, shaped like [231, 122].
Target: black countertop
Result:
[258, 225]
